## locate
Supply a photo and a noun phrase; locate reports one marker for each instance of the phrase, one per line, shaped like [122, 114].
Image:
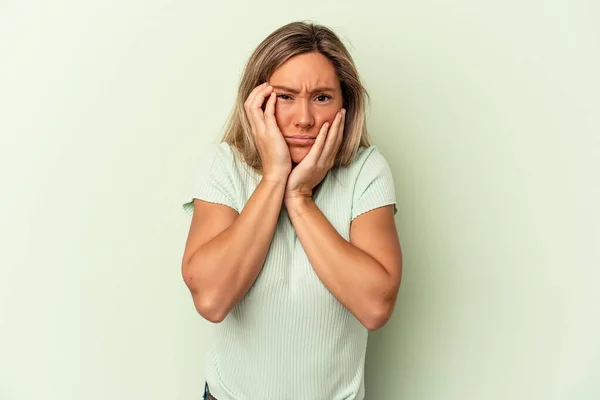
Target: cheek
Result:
[282, 114]
[328, 115]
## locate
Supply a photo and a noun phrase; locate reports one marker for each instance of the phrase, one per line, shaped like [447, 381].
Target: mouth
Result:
[301, 140]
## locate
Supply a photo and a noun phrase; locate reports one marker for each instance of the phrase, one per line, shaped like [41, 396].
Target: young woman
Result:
[293, 248]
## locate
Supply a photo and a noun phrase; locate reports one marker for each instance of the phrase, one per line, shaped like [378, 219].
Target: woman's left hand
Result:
[319, 160]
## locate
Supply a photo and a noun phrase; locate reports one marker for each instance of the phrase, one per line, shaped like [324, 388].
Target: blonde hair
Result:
[286, 42]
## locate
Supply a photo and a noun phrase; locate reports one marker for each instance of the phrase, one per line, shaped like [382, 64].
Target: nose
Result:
[303, 115]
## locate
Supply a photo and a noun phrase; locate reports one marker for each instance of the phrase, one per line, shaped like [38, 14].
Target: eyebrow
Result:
[296, 91]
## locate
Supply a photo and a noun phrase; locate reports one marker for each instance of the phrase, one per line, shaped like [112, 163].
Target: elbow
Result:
[381, 309]
[207, 305]
[209, 309]
[379, 316]
[375, 322]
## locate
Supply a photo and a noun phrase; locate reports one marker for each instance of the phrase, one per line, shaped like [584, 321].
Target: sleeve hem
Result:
[371, 208]
[188, 207]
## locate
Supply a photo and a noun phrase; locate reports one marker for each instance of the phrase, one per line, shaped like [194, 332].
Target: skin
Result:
[302, 106]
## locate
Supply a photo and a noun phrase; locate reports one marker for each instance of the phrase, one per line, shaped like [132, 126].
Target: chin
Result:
[297, 154]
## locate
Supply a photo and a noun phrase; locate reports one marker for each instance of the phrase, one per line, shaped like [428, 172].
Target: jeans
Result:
[207, 395]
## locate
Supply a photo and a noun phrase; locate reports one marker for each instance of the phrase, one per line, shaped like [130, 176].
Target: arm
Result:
[225, 252]
[364, 274]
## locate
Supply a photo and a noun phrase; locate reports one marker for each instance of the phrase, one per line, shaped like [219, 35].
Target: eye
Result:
[323, 97]
[283, 96]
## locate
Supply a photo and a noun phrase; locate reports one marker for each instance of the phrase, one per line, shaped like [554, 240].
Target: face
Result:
[308, 95]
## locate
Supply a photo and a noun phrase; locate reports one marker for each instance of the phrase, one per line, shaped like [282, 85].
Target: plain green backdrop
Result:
[487, 111]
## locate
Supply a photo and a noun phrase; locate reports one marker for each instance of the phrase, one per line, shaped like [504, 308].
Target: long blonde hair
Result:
[288, 41]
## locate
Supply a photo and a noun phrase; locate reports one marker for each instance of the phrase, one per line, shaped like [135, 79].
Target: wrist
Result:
[297, 204]
[275, 179]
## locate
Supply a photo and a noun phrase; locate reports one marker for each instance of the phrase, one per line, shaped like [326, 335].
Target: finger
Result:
[270, 120]
[253, 93]
[258, 100]
[340, 136]
[317, 149]
[254, 117]
[248, 102]
[331, 137]
[329, 150]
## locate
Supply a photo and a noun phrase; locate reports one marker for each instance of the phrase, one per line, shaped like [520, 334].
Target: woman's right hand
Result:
[272, 147]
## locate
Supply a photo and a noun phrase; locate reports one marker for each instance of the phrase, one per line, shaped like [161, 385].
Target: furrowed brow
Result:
[296, 91]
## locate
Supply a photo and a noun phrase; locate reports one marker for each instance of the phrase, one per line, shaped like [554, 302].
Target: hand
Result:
[319, 160]
[272, 148]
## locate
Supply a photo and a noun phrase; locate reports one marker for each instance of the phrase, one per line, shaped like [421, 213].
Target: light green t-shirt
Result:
[289, 338]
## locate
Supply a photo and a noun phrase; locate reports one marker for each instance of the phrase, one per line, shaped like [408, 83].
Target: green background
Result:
[487, 111]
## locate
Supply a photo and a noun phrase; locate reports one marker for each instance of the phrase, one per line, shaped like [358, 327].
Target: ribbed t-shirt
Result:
[289, 338]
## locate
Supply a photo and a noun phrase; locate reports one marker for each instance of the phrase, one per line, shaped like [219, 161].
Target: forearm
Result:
[227, 266]
[355, 278]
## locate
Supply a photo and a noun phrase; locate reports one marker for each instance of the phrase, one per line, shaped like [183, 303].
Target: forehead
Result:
[306, 71]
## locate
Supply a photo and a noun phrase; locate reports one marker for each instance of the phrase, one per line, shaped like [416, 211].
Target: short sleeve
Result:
[213, 181]
[374, 185]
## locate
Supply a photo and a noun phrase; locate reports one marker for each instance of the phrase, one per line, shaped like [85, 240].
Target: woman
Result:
[293, 247]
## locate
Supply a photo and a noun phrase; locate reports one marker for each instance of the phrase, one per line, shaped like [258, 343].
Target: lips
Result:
[300, 140]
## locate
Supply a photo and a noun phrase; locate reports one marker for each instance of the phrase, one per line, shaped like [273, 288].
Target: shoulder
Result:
[368, 160]
[216, 179]
[219, 151]
[371, 181]
[218, 158]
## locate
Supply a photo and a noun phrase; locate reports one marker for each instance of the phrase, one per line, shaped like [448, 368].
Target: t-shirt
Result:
[289, 338]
